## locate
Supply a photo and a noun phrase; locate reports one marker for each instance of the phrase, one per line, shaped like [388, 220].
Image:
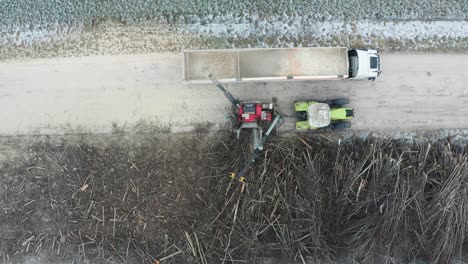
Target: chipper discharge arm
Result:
[226, 93]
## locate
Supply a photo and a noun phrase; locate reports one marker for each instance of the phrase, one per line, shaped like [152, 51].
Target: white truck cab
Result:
[364, 64]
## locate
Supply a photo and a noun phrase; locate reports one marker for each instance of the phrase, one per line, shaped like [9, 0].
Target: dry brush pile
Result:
[306, 199]
[121, 201]
[377, 200]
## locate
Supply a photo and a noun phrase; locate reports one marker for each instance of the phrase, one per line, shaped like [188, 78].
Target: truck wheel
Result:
[338, 102]
[340, 125]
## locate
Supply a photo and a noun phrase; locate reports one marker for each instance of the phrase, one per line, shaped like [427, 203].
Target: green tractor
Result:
[318, 115]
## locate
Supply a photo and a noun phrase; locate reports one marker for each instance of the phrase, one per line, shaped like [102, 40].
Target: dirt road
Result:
[137, 92]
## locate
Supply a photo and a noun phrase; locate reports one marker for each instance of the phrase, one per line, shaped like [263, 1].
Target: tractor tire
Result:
[338, 102]
[340, 125]
[301, 116]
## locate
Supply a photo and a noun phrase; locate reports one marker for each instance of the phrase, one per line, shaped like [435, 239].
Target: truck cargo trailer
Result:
[233, 65]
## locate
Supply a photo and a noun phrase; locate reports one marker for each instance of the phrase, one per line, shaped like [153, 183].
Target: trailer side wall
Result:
[265, 64]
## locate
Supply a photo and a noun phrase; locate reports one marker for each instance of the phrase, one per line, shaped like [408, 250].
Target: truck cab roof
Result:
[369, 64]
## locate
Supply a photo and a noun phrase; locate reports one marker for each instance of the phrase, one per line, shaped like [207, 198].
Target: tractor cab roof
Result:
[319, 115]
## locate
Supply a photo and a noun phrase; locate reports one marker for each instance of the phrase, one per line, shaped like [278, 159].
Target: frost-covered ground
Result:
[30, 28]
[403, 35]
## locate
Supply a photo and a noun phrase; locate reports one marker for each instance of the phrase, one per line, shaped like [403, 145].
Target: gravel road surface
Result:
[139, 92]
